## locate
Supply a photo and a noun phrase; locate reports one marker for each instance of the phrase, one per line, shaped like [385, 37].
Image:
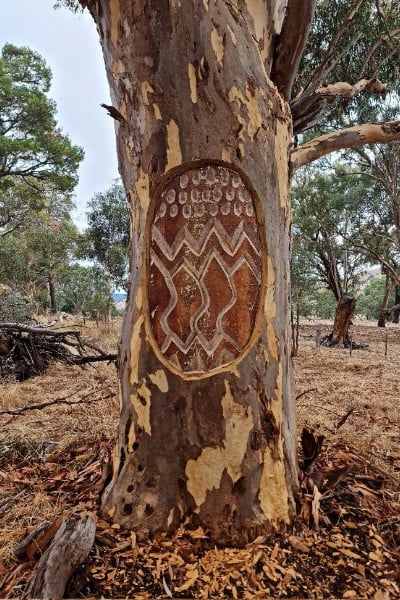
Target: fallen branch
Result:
[344, 418]
[304, 392]
[27, 350]
[70, 547]
[64, 400]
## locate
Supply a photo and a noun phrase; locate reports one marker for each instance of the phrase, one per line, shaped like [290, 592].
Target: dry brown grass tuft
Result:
[365, 382]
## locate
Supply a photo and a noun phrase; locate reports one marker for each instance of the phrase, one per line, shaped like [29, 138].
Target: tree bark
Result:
[52, 295]
[70, 547]
[207, 430]
[371, 133]
[340, 335]
[396, 311]
[383, 313]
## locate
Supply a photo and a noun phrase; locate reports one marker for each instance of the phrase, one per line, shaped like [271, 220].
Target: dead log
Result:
[28, 350]
[70, 547]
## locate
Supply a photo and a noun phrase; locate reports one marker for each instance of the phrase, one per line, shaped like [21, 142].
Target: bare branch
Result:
[383, 40]
[308, 111]
[371, 133]
[324, 66]
[39, 330]
[344, 90]
[63, 400]
[292, 40]
[392, 310]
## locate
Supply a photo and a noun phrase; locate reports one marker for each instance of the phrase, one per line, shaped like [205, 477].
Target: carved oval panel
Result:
[205, 269]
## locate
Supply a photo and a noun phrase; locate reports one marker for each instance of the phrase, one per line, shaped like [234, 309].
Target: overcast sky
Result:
[69, 44]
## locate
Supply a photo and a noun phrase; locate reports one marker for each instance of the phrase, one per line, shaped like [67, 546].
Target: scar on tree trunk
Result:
[340, 336]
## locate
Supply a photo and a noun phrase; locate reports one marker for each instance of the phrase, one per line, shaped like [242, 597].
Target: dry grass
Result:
[50, 443]
[365, 382]
[27, 438]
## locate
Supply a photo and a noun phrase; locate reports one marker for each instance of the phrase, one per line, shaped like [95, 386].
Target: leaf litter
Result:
[344, 542]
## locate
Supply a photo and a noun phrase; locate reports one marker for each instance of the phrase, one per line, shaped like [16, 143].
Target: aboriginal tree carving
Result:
[205, 269]
[202, 94]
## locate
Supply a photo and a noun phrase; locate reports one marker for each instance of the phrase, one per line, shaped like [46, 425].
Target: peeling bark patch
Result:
[205, 473]
[251, 104]
[159, 379]
[205, 269]
[270, 312]
[273, 496]
[217, 42]
[174, 154]
[193, 83]
[233, 36]
[282, 145]
[136, 342]
[115, 17]
[142, 189]
[257, 9]
[157, 112]
[142, 408]
[146, 90]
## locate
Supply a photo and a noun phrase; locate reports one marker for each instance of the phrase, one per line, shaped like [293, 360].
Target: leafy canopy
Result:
[108, 231]
[33, 150]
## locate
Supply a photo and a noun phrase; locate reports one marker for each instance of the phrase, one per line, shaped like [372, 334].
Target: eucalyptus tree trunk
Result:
[207, 430]
[340, 334]
[52, 294]
[396, 312]
[383, 312]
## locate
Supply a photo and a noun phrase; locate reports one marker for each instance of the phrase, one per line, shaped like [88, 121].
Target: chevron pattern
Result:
[205, 269]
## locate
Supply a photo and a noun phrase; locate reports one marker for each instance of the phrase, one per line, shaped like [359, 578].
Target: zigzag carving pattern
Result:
[205, 269]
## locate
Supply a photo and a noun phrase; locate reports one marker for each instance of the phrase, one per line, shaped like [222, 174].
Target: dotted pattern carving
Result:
[205, 269]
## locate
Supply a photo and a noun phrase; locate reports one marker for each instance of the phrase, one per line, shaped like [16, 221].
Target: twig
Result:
[344, 418]
[83, 360]
[304, 392]
[63, 400]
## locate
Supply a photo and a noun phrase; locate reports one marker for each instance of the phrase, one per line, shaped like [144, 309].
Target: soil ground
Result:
[344, 542]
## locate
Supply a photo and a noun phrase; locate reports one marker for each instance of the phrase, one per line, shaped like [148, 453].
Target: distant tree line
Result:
[44, 258]
[346, 216]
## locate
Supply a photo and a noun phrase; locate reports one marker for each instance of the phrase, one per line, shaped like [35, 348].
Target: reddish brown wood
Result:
[205, 268]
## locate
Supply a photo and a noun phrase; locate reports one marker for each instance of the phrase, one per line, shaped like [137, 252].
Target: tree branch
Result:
[309, 110]
[63, 400]
[370, 133]
[70, 547]
[292, 40]
[324, 66]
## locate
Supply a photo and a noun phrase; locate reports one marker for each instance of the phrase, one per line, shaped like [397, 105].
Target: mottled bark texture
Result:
[340, 335]
[371, 133]
[207, 429]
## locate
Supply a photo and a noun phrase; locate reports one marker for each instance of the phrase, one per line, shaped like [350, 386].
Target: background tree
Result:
[106, 237]
[35, 255]
[211, 85]
[369, 300]
[50, 243]
[33, 150]
[380, 238]
[328, 213]
[38, 172]
[84, 290]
